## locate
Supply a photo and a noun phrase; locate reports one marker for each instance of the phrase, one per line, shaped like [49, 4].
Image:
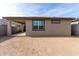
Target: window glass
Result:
[38, 25]
[35, 27]
[41, 27]
[35, 22]
[41, 23]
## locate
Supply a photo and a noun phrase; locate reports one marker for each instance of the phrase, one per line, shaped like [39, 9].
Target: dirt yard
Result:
[44, 46]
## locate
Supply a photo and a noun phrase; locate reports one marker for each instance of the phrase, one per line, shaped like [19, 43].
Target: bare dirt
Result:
[39, 46]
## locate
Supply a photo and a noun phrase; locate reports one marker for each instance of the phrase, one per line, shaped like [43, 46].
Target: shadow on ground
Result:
[4, 38]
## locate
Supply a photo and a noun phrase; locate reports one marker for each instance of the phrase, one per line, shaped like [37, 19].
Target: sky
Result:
[40, 9]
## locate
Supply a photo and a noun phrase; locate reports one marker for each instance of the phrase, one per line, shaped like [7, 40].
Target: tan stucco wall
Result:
[63, 29]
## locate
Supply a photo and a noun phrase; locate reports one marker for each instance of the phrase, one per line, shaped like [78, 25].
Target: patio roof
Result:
[22, 19]
[66, 18]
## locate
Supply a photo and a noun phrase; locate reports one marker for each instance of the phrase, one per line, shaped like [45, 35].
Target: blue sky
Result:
[40, 9]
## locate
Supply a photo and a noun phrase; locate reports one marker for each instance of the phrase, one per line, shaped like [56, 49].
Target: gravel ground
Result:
[39, 46]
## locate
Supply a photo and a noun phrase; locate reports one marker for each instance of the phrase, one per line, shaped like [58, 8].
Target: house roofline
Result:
[64, 18]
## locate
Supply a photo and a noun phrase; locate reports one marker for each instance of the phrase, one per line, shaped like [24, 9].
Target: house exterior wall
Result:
[63, 29]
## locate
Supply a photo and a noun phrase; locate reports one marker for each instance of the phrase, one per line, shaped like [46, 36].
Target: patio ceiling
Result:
[22, 21]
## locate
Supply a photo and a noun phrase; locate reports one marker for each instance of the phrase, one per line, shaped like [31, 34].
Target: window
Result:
[38, 25]
[55, 21]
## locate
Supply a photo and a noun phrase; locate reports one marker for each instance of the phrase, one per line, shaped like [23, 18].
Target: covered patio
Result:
[12, 21]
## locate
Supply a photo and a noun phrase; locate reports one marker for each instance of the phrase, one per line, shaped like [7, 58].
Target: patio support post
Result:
[22, 27]
[25, 27]
[8, 27]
